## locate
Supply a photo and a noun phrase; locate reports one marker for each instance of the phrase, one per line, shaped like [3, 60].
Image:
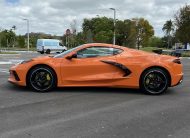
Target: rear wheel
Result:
[41, 79]
[41, 52]
[154, 81]
[48, 51]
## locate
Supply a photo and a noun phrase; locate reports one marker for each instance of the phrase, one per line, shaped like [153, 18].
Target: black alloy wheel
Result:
[154, 81]
[41, 79]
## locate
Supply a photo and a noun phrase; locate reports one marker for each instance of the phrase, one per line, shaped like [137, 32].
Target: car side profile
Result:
[100, 65]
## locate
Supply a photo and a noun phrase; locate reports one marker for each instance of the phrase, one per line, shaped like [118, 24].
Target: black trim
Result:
[16, 76]
[120, 66]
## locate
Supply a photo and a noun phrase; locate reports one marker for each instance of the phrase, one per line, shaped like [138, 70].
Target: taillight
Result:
[177, 61]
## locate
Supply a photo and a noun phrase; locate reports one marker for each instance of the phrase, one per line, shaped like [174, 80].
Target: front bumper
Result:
[17, 76]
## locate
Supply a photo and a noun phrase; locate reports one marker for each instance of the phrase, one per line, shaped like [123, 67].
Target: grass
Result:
[186, 54]
[149, 49]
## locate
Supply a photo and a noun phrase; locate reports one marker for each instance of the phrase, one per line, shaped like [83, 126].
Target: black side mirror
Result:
[72, 56]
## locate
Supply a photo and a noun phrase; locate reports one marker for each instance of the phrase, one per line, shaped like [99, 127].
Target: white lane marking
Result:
[10, 62]
[4, 70]
[13, 61]
[5, 63]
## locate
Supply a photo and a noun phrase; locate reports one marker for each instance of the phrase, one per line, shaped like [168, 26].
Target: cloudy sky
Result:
[55, 16]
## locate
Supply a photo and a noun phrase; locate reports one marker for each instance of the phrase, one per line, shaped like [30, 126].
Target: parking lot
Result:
[91, 112]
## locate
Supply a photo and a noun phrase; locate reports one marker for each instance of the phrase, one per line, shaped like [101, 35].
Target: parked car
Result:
[49, 45]
[100, 65]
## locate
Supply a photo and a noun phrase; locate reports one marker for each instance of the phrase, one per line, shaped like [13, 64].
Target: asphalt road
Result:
[92, 112]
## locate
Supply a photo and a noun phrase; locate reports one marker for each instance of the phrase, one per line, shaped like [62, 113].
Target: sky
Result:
[55, 16]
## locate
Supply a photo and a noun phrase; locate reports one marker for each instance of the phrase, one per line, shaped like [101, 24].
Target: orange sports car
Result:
[100, 65]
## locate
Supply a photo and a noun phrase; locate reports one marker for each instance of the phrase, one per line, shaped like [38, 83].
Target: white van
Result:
[49, 45]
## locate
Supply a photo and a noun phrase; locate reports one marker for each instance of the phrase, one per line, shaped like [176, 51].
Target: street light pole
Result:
[28, 37]
[114, 24]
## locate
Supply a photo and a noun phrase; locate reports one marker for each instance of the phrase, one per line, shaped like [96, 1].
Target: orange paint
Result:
[93, 72]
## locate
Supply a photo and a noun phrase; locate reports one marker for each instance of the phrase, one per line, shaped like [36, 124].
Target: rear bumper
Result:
[177, 80]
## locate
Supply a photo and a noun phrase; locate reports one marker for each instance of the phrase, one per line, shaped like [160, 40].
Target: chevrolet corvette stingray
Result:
[100, 65]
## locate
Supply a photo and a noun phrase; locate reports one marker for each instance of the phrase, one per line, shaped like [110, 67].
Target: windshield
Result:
[67, 52]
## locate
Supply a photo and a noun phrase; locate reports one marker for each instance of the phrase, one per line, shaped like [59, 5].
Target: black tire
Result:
[154, 81]
[41, 52]
[41, 79]
[48, 51]
[63, 51]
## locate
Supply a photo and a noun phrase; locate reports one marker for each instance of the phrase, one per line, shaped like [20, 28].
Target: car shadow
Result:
[15, 88]
[96, 90]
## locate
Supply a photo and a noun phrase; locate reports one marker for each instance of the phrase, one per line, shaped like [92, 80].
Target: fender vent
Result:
[120, 66]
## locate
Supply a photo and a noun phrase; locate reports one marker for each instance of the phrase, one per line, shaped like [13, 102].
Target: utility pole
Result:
[114, 10]
[28, 37]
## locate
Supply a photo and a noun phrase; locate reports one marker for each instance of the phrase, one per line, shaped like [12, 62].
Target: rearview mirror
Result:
[71, 56]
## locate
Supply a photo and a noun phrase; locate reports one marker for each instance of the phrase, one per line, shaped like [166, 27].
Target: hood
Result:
[42, 58]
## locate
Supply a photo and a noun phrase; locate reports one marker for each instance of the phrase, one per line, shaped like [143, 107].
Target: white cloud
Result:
[55, 16]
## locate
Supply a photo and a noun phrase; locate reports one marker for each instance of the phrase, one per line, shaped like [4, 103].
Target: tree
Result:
[144, 31]
[168, 28]
[182, 22]
[155, 42]
[8, 38]
[14, 39]
[21, 41]
[126, 33]
[14, 27]
[99, 29]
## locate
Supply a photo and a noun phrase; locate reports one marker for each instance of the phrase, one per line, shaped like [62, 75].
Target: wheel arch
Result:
[41, 65]
[157, 67]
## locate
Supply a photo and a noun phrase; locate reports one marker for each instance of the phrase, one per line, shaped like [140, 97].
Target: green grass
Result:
[186, 54]
[149, 49]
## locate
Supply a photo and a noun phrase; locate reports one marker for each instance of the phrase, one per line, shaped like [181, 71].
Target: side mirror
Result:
[71, 56]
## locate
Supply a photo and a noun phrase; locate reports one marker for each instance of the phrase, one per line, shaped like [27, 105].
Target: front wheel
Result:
[154, 81]
[41, 79]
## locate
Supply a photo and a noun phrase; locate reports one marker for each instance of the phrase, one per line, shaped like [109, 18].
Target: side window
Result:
[97, 52]
[60, 44]
[117, 51]
[39, 43]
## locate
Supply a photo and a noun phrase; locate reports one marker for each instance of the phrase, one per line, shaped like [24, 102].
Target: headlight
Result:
[26, 61]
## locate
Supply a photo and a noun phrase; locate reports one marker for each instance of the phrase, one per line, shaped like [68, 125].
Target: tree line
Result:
[130, 32]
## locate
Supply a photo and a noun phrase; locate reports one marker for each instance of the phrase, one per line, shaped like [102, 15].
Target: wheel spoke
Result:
[41, 79]
[155, 82]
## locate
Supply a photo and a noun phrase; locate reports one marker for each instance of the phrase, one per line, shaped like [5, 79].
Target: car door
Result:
[89, 68]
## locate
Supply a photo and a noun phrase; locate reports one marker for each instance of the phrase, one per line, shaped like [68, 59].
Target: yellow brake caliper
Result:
[48, 77]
